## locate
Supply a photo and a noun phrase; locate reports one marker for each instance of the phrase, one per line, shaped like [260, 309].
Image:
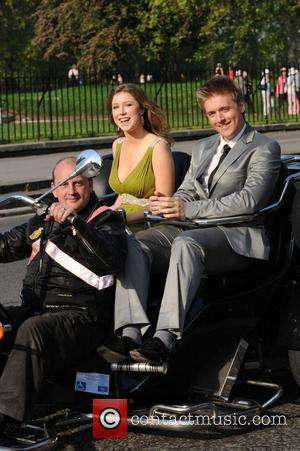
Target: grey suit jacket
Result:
[243, 184]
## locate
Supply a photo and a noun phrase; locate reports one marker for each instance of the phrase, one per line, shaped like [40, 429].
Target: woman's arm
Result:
[163, 168]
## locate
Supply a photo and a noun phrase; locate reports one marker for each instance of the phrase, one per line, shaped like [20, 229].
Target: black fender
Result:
[289, 323]
[295, 218]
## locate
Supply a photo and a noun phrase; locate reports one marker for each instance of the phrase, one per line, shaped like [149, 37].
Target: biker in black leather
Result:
[73, 315]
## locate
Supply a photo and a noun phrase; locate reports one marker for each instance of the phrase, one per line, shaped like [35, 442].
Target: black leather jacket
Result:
[99, 245]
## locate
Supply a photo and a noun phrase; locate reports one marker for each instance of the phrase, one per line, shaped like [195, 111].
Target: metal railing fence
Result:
[36, 107]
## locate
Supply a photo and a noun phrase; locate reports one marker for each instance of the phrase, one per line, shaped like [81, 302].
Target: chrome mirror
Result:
[88, 163]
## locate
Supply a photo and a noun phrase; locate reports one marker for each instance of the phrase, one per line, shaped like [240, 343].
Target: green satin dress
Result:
[139, 183]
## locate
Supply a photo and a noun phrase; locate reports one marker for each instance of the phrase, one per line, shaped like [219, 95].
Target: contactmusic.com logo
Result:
[110, 418]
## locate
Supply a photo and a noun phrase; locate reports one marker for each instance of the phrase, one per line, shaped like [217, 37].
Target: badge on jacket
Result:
[36, 233]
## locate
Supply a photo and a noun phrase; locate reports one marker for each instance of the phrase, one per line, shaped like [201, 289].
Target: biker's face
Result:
[76, 192]
[225, 115]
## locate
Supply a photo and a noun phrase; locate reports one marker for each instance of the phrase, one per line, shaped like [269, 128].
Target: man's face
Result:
[76, 192]
[225, 115]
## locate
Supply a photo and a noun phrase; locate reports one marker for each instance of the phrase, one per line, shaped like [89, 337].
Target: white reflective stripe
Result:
[35, 249]
[76, 268]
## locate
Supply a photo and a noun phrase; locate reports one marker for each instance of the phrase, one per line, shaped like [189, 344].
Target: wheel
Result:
[294, 360]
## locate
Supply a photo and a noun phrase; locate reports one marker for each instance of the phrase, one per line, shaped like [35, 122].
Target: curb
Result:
[73, 145]
[17, 211]
[47, 147]
[25, 187]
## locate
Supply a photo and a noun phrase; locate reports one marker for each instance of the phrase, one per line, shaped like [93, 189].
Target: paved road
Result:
[35, 168]
[276, 437]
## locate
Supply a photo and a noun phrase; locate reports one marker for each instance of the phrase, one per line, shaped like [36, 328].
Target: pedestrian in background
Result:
[291, 86]
[239, 81]
[247, 91]
[219, 69]
[265, 86]
[281, 88]
[230, 72]
[297, 82]
[73, 75]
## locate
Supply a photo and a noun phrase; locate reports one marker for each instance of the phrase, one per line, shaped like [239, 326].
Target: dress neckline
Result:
[137, 165]
[133, 169]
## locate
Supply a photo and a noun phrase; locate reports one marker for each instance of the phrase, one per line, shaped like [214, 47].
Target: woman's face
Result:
[126, 112]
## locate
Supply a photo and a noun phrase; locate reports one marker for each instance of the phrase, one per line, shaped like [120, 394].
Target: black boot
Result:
[153, 351]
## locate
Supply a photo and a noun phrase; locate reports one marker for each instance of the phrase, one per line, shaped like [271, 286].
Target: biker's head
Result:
[224, 105]
[74, 193]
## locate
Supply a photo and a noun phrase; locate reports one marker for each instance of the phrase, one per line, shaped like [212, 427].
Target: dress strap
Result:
[156, 141]
[118, 147]
[119, 141]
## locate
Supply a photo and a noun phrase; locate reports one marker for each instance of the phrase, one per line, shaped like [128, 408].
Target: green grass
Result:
[80, 111]
[34, 131]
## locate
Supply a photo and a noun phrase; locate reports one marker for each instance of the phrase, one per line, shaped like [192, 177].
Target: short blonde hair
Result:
[219, 85]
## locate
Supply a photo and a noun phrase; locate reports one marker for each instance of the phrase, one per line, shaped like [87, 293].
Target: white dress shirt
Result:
[217, 155]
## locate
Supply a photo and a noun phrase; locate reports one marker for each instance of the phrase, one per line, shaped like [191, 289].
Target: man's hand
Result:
[59, 212]
[168, 207]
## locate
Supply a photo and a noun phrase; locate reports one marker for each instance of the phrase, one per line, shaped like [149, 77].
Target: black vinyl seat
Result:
[279, 230]
[243, 294]
[101, 185]
[241, 298]
[182, 163]
[296, 218]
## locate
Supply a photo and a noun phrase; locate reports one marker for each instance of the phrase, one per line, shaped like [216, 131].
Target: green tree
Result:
[281, 36]
[16, 34]
[105, 34]
[249, 32]
[167, 30]
[96, 34]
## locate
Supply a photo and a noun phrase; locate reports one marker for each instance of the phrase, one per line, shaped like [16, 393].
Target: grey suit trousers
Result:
[184, 255]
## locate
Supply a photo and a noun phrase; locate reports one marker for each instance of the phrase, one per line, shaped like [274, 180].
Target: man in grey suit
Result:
[233, 172]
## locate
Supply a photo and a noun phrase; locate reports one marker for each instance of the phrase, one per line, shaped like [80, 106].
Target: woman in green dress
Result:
[143, 163]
